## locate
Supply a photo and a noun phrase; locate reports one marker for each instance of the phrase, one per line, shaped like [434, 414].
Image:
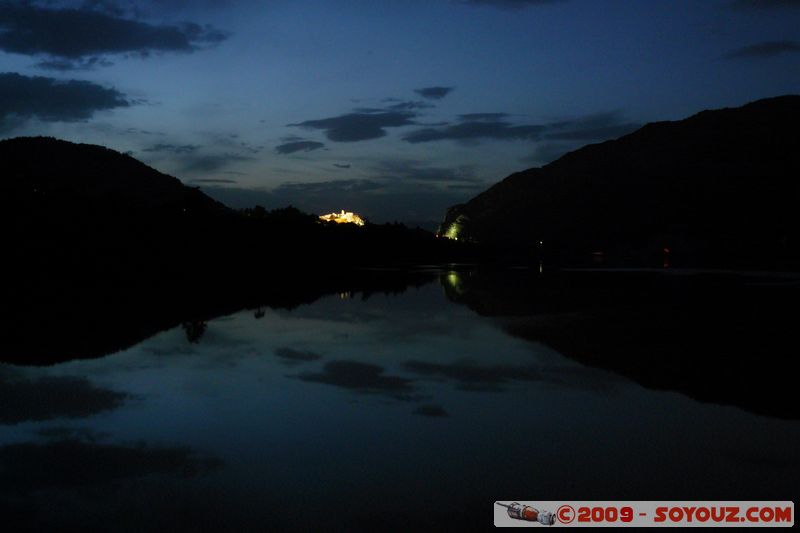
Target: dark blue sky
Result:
[394, 109]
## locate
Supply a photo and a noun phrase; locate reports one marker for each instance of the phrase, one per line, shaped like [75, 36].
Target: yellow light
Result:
[455, 229]
[345, 217]
[455, 281]
[452, 232]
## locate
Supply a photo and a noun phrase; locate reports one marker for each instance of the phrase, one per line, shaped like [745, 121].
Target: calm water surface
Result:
[391, 411]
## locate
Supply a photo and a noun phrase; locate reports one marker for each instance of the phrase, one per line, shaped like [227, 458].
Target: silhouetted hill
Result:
[720, 187]
[42, 173]
[92, 211]
[102, 251]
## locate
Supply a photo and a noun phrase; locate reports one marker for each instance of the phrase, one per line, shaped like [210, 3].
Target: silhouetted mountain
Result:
[720, 187]
[83, 211]
[42, 174]
[103, 251]
[90, 210]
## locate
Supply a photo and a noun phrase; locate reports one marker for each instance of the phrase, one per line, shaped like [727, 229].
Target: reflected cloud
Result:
[290, 356]
[432, 411]
[75, 462]
[24, 400]
[72, 433]
[360, 377]
[471, 377]
[162, 351]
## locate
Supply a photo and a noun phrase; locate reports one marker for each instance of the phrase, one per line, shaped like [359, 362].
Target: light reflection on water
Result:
[376, 412]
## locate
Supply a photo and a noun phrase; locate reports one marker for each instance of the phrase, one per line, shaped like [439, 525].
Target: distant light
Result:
[452, 232]
[455, 282]
[456, 228]
[345, 217]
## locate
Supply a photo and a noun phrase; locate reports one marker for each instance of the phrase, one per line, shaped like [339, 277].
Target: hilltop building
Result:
[343, 218]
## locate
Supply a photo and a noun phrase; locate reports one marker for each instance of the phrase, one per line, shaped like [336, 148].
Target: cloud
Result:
[591, 127]
[172, 148]
[511, 4]
[108, 7]
[327, 187]
[232, 142]
[51, 100]
[218, 181]
[298, 146]
[434, 93]
[410, 170]
[479, 126]
[196, 158]
[181, 6]
[66, 65]
[474, 130]
[76, 33]
[139, 131]
[480, 117]
[764, 50]
[467, 187]
[410, 105]
[359, 126]
[396, 104]
[360, 377]
[547, 153]
[210, 162]
[292, 356]
[23, 400]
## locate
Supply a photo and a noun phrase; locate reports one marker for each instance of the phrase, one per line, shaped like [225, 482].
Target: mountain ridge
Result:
[89, 173]
[694, 187]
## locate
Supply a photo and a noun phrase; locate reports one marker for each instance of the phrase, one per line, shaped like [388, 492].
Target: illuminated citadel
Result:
[343, 218]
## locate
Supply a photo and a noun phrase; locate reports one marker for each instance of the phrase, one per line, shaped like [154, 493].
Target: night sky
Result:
[395, 109]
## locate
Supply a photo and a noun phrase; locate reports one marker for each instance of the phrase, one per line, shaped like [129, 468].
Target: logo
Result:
[565, 514]
[527, 513]
[646, 513]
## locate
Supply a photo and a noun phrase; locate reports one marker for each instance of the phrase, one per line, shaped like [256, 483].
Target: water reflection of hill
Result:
[721, 338]
[81, 320]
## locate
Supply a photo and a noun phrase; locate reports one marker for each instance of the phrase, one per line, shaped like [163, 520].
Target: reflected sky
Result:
[406, 401]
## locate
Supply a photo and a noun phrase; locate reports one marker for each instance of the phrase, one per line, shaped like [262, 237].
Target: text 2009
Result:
[605, 514]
